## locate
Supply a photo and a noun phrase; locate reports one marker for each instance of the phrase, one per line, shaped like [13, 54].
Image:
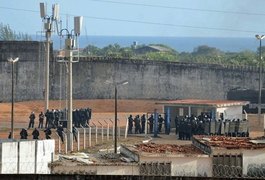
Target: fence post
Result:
[89, 138]
[96, 133]
[102, 131]
[59, 143]
[65, 137]
[84, 139]
[78, 140]
[119, 128]
[246, 114]
[126, 128]
[112, 129]
[107, 130]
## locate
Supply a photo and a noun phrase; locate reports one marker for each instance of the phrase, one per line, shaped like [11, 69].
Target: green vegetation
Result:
[159, 52]
[7, 34]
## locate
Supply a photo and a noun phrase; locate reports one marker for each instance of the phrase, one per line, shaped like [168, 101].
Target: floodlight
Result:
[259, 36]
[42, 10]
[78, 24]
[13, 60]
[55, 11]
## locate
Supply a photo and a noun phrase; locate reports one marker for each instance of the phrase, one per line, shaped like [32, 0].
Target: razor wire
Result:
[155, 168]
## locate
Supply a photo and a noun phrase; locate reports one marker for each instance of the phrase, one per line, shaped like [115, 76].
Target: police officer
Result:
[130, 124]
[60, 132]
[143, 120]
[47, 115]
[35, 134]
[48, 132]
[31, 120]
[23, 134]
[74, 130]
[137, 124]
[41, 118]
[160, 122]
[177, 124]
[151, 123]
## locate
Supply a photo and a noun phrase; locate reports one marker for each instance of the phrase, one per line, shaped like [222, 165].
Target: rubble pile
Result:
[167, 148]
[233, 142]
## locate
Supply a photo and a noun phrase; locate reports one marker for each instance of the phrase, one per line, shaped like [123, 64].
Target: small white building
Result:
[227, 109]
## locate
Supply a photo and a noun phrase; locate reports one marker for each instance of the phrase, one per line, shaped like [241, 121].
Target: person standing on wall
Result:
[35, 134]
[48, 133]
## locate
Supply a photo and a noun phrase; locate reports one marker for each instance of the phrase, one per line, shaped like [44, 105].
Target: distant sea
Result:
[181, 44]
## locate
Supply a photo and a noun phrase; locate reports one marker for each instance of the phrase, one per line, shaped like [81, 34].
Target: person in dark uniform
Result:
[41, 119]
[60, 132]
[177, 124]
[143, 120]
[160, 122]
[74, 130]
[137, 124]
[48, 132]
[9, 135]
[130, 124]
[47, 118]
[23, 134]
[31, 120]
[35, 134]
[151, 123]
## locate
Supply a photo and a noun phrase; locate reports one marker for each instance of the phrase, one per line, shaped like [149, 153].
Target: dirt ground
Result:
[102, 112]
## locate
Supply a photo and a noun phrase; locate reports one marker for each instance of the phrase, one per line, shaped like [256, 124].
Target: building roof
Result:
[159, 48]
[215, 144]
[156, 48]
[202, 102]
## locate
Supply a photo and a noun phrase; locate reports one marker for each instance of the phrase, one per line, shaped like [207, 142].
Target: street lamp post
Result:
[115, 124]
[12, 61]
[260, 37]
[116, 114]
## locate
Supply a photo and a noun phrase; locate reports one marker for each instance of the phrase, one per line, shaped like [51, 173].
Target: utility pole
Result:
[48, 21]
[69, 48]
[260, 37]
[69, 44]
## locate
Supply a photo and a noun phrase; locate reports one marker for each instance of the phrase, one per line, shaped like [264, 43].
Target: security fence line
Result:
[102, 130]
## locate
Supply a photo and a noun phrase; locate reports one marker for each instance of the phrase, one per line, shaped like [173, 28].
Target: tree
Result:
[206, 51]
[92, 50]
[7, 34]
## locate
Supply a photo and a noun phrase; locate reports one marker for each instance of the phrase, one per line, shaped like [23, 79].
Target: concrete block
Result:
[26, 157]
[9, 157]
[44, 155]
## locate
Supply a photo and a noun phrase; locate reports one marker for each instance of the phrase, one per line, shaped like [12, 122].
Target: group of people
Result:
[48, 132]
[138, 123]
[205, 125]
[56, 117]
[54, 120]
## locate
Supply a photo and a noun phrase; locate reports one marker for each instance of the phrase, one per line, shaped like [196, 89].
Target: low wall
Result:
[26, 157]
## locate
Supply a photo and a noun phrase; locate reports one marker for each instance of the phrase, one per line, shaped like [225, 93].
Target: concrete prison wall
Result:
[26, 157]
[147, 79]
